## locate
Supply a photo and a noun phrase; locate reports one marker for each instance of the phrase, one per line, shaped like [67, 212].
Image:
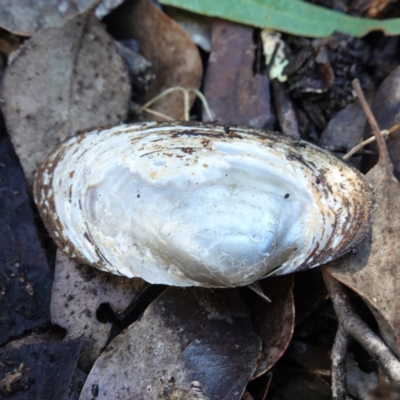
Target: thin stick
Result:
[385, 134]
[357, 148]
[380, 141]
[360, 331]
[255, 287]
[339, 351]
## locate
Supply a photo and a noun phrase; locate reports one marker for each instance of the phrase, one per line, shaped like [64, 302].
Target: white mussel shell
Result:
[200, 205]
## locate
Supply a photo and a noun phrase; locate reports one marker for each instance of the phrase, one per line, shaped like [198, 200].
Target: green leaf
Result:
[292, 16]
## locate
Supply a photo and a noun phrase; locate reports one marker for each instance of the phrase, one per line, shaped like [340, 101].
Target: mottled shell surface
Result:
[200, 205]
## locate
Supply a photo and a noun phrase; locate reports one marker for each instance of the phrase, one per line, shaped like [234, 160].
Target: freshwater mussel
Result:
[191, 204]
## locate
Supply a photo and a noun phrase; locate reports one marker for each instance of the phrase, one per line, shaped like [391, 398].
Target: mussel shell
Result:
[200, 205]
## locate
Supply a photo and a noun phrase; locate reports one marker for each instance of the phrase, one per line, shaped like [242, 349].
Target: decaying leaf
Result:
[235, 94]
[25, 276]
[175, 58]
[78, 292]
[189, 342]
[273, 322]
[38, 371]
[372, 270]
[25, 17]
[63, 80]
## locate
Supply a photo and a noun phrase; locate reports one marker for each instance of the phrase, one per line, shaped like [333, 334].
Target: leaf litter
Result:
[29, 16]
[191, 362]
[372, 269]
[175, 58]
[188, 340]
[79, 291]
[63, 80]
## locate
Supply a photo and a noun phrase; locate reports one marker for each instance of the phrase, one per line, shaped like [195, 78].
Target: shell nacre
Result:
[199, 204]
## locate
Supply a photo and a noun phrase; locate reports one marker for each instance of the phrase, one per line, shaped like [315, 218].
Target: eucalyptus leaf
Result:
[291, 16]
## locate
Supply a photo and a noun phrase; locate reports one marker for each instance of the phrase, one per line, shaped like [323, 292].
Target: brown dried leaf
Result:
[175, 59]
[189, 342]
[373, 270]
[78, 291]
[63, 80]
[273, 322]
[235, 94]
[28, 16]
[386, 109]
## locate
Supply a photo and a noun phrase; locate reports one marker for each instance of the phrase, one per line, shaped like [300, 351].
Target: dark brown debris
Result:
[41, 371]
[25, 277]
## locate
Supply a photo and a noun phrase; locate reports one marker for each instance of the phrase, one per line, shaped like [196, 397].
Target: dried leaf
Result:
[189, 342]
[25, 283]
[386, 109]
[175, 58]
[63, 80]
[235, 94]
[106, 6]
[197, 26]
[78, 292]
[285, 110]
[39, 371]
[372, 270]
[344, 131]
[24, 17]
[273, 322]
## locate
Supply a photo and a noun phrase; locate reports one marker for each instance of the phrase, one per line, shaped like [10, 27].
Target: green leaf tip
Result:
[291, 16]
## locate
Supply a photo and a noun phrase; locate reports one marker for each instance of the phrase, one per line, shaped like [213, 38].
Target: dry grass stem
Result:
[186, 97]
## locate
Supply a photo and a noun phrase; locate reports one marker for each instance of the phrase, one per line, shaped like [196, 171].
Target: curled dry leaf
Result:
[235, 94]
[372, 269]
[63, 80]
[28, 16]
[175, 58]
[273, 322]
[188, 342]
[78, 292]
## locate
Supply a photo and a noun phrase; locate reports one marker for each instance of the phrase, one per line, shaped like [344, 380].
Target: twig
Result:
[380, 141]
[385, 134]
[256, 287]
[360, 331]
[339, 351]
